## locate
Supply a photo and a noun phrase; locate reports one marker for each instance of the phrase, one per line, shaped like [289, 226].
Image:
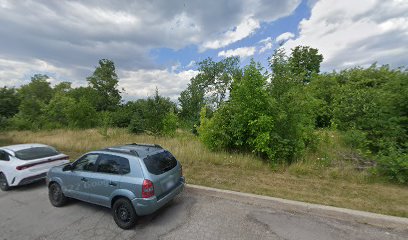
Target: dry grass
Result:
[322, 177]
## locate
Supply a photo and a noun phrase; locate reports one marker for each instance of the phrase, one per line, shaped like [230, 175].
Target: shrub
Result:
[137, 124]
[170, 124]
[394, 166]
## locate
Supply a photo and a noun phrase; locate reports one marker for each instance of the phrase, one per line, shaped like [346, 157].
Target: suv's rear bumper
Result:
[150, 205]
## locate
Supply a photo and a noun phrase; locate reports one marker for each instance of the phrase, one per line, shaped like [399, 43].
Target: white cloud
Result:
[143, 82]
[14, 73]
[191, 64]
[242, 52]
[69, 34]
[267, 44]
[243, 30]
[350, 33]
[285, 36]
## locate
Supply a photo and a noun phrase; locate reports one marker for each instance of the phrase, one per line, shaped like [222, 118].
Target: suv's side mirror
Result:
[68, 167]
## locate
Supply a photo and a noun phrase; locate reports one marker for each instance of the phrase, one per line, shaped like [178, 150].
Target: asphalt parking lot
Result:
[26, 213]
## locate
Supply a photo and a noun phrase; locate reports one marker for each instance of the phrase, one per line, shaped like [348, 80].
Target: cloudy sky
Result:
[156, 43]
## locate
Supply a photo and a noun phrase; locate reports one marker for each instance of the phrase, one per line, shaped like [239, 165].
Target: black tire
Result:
[56, 196]
[3, 183]
[124, 214]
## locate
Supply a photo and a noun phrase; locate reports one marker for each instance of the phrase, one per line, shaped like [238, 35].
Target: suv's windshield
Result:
[160, 163]
[35, 153]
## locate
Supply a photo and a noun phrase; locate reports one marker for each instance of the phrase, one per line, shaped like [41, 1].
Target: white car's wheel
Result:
[3, 183]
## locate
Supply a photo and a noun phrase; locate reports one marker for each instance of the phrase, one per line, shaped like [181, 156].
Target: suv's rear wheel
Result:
[3, 183]
[56, 196]
[124, 214]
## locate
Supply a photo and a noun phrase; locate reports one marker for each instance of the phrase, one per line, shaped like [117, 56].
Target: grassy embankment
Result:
[324, 176]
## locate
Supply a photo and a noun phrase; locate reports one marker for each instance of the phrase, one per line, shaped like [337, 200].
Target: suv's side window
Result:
[113, 164]
[4, 156]
[86, 163]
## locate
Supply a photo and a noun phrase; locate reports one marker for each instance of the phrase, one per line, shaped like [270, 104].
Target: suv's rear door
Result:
[164, 172]
[107, 177]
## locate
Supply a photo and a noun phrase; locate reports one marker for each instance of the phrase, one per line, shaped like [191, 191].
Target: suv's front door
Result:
[106, 179]
[76, 182]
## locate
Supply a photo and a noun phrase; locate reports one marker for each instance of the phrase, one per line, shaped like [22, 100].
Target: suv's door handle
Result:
[84, 179]
[112, 183]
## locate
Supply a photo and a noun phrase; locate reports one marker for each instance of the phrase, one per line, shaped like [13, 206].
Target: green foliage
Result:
[9, 102]
[148, 115]
[56, 112]
[273, 120]
[215, 132]
[373, 101]
[105, 121]
[137, 124]
[324, 88]
[210, 87]
[170, 123]
[305, 61]
[394, 166]
[192, 100]
[105, 81]
[34, 98]
[82, 115]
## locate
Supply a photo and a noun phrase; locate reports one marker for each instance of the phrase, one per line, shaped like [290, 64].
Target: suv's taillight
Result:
[147, 189]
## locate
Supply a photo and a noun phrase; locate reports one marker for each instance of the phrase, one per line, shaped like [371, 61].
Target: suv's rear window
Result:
[160, 163]
[35, 153]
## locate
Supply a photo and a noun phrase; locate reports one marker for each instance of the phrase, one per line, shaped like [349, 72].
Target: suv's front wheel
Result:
[56, 196]
[124, 214]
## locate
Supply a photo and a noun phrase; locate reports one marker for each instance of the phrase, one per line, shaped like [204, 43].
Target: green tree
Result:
[56, 113]
[192, 100]
[305, 61]
[34, 98]
[217, 78]
[148, 115]
[105, 81]
[62, 87]
[170, 122]
[9, 102]
[324, 89]
[91, 95]
[82, 115]
[209, 88]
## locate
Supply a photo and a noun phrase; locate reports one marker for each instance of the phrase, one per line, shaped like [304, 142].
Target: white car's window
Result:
[86, 163]
[36, 153]
[4, 156]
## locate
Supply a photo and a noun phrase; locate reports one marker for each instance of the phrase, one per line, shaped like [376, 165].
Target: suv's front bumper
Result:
[150, 205]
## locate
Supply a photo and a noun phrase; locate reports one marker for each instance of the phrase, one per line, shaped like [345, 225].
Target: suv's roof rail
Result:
[147, 145]
[123, 150]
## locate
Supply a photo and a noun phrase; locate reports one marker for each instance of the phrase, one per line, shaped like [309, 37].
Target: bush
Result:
[137, 124]
[170, 124]
[394, 166]
[277, 125]
[82, 115]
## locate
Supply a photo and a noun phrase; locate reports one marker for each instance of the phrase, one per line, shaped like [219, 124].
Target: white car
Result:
[26, 163]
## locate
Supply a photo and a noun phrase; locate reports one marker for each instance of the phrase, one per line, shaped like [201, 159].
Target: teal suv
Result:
[133, 180]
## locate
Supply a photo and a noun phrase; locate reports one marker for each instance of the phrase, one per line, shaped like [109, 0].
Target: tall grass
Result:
[322, 176]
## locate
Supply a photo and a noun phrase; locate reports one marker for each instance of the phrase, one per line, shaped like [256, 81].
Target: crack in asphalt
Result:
[252, 218]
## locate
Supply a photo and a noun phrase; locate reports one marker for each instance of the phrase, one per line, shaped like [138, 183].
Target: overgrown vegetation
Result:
[275, 113]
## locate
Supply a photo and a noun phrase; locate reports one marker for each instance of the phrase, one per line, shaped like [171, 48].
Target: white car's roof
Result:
[18, 147]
